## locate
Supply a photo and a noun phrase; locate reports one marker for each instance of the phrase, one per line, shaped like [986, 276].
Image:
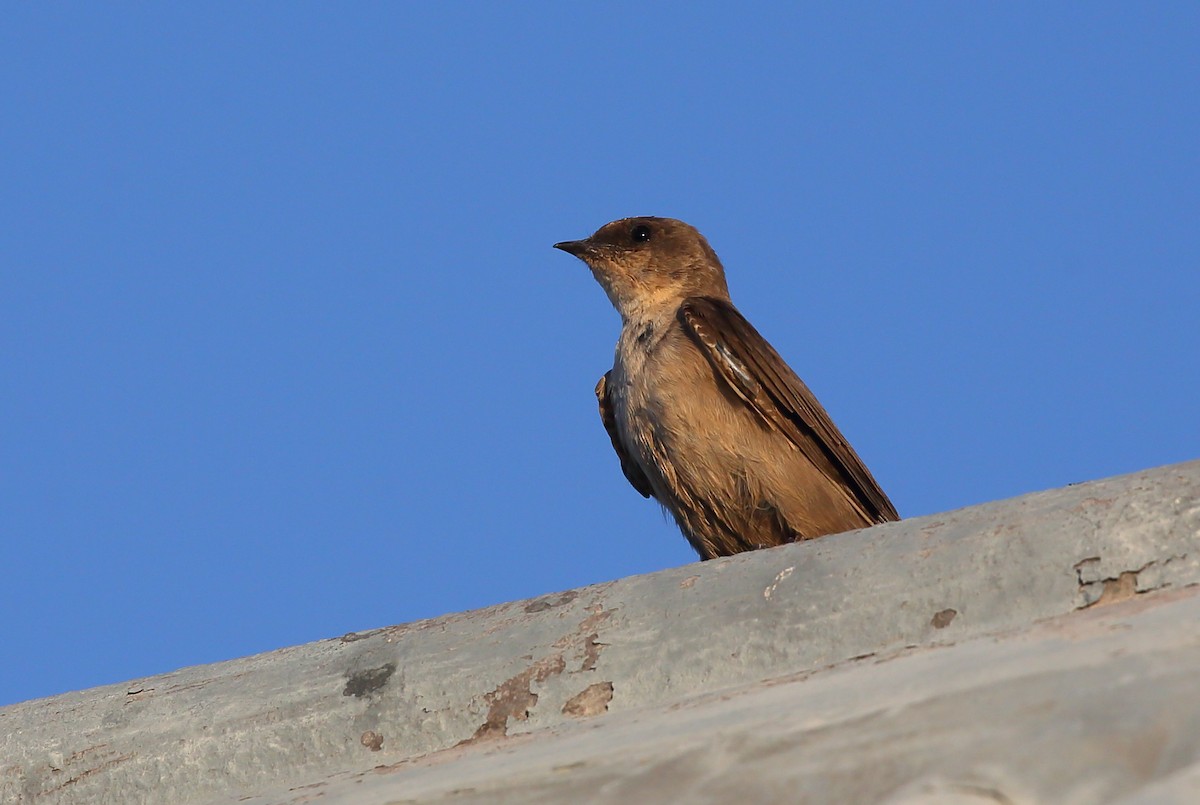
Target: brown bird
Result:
[704, 414]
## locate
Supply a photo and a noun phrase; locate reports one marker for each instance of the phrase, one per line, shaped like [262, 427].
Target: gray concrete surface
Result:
[1101, 706]
[1005, 652]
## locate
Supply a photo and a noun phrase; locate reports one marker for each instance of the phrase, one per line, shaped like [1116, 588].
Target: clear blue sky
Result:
[286, 352]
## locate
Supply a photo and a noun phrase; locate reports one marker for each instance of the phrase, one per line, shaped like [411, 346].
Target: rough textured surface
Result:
[1002, 653]
[1082, 708]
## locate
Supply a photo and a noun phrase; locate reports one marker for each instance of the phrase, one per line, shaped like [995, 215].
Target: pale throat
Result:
[646, 305]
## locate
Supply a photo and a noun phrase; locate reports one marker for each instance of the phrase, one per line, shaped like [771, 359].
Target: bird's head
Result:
[647, 263]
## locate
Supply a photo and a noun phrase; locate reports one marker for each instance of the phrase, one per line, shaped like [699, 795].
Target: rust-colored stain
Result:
[591, 624]
[1114, 589]
[514, 699]
[585, 638]
[372, 740]
[591, 701]
[591, 652]
[1122, 588]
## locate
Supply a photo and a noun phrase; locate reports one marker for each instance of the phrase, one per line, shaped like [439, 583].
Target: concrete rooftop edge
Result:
[221, 731]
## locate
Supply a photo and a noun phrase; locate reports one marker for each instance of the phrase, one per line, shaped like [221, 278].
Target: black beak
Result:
[575, 247]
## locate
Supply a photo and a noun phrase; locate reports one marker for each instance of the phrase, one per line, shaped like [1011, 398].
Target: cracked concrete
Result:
[1097, 589]
[883, 651]
[1088, 707]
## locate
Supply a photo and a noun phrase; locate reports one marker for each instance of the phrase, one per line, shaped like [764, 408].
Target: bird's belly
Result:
[701, 452]
[694, 441]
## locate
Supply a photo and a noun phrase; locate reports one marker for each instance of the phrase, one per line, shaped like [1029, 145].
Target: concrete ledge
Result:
[1096, 707]
[644, 647]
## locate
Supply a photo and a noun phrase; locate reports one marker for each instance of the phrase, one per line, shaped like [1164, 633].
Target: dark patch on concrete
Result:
[362, 683]
[591, 701]
[942, 619]
[551, 601]
[514, 699]
[138, 693]
[372, 740]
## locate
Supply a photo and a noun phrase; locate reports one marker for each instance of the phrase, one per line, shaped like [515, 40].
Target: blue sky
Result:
[287, 353]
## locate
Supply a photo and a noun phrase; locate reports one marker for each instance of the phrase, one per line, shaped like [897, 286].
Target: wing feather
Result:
[633, 473]
[756, 373]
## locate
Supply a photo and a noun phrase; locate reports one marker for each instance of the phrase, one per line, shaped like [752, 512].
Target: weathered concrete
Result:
[1086, 708]
[905, 658]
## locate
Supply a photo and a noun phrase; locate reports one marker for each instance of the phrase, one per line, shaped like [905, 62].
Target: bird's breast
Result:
[667, 403]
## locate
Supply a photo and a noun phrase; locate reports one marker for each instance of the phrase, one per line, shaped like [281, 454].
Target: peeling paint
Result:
[1096, 589]
[1122, 588]
[514, 698]
[591, 701]
[681, 640]
[585, 638]
[591, 652]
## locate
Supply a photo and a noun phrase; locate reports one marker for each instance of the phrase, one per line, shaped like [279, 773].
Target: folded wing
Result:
[633, 473]
[756, 373]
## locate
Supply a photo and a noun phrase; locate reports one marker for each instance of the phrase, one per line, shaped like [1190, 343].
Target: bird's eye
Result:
[640, 233]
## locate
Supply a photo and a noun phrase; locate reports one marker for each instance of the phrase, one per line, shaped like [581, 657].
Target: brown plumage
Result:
[703, 414]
